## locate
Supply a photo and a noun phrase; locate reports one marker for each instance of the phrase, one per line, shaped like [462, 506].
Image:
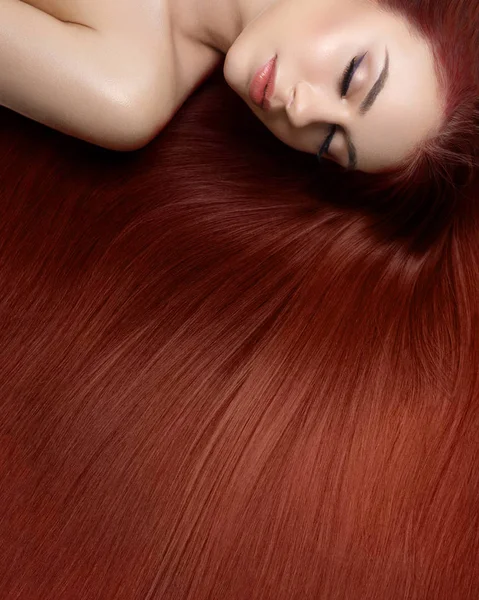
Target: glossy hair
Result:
[222, 380]
[452, 30]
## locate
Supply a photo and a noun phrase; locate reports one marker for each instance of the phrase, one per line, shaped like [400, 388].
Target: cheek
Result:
[325, 42]
[318, 54]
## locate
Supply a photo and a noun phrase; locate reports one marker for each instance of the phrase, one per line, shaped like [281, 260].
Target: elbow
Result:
[131, 124]
[130, 131]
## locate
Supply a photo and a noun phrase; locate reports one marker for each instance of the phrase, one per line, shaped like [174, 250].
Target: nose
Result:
[312, 105]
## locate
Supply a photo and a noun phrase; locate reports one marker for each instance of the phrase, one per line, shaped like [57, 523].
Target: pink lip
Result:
[262, 84]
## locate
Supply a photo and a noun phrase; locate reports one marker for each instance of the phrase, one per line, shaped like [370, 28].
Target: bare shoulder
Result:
[100, 14]
[170, 65]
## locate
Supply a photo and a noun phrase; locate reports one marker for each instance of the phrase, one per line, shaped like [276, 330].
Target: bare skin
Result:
[114, 72]
[111, 72]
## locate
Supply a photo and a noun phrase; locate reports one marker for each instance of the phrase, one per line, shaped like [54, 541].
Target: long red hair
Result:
[222, 378]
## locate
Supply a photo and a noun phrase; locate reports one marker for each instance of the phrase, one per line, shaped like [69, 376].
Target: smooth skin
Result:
[114, 72]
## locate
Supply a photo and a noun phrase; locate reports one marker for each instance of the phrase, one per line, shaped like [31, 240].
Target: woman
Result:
[219, 382]
[371, 85]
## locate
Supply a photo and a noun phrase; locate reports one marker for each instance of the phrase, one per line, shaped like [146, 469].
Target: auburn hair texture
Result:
[225, 375]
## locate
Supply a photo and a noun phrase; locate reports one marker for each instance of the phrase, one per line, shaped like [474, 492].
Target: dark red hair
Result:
[221, 379]
[452, 30]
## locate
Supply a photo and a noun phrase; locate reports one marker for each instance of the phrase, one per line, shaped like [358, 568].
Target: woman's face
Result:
[345, 63]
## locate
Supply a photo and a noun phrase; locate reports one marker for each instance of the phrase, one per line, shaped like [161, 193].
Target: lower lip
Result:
[262, 85]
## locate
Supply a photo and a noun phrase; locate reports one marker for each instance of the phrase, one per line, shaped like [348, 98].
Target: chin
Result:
[232, 71]
[238, 69]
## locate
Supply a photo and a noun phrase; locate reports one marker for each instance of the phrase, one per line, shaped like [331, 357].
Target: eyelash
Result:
[346, 81]
[349, 74]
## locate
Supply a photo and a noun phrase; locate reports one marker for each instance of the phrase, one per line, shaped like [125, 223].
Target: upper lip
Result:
[262, 85]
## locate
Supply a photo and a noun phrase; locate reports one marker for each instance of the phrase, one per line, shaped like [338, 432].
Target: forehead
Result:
[408, 111]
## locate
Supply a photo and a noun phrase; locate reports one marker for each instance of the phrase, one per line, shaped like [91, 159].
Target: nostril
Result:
[298, 107]
[292, 96]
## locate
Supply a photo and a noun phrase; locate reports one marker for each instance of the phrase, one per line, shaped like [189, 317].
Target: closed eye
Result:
[344, 85]
[348, 75]
[327, 142]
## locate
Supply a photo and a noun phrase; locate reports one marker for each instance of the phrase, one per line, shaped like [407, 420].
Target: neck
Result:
[216, 23]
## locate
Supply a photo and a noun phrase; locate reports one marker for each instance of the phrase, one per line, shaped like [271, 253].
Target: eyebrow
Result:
[366, 106]
[377, 88]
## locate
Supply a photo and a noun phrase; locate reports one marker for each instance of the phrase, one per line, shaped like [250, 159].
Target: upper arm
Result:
[96, 87]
